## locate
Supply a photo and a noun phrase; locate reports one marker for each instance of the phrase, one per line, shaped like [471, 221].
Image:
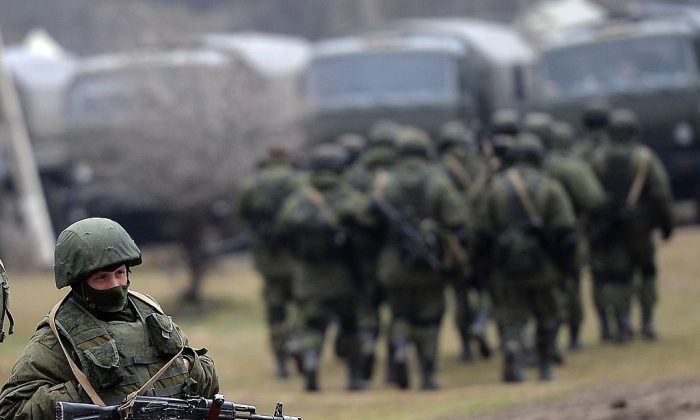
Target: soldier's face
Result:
[103, 280]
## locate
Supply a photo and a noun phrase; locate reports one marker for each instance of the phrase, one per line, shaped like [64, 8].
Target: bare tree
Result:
[175, 144]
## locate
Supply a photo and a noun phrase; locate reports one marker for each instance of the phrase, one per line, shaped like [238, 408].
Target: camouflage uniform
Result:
[528, 221]
[428, 204]
[638, 202]
[467, 171]
[319, 219]
[260, 200]
[117, 350]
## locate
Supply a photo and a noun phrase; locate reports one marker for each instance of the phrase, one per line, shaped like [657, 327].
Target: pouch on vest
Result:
[519, 250]
[163, 334]
[101, 365]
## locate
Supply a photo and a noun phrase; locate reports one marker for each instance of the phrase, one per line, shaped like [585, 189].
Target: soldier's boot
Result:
[368, 344]
[648, 329]
[574, 336]
[293, 350]
[545, 370]
[310, 367]
[465, 336]
[355, 380]
[624, 327]
[281, 362]
[605, 334]
[427, 368]
[400, 362]
[513, 369]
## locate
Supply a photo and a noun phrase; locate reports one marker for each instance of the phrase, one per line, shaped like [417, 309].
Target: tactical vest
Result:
[118, 357]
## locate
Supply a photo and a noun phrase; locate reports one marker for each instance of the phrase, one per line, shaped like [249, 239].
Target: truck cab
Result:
[650, 66]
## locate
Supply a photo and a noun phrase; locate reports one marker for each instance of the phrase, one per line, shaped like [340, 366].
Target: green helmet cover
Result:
[89, 245]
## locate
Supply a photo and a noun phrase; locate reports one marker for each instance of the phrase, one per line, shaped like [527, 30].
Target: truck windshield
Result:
[618, 66]
[372, 79]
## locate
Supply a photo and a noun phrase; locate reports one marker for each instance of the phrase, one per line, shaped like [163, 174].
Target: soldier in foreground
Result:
[261, 199]
[319, 219]
[117, 336]
[638, 202]
[417, 207]
[528, 221]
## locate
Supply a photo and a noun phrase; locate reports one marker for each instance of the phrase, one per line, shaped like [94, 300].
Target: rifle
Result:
[5, 304]
[418, 249]
[157, 408]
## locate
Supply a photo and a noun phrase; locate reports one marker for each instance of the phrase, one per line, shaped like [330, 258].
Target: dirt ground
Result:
[668, 400]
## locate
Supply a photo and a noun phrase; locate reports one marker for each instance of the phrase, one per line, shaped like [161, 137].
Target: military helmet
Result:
[595, 115]
[623, 123]
[413, 141]
[505, 121]
[89, 245]
[562, 135]
[383, 133]
[454, 133]
[539, 124]
[353, 144]
[328, 157]
[529, 149]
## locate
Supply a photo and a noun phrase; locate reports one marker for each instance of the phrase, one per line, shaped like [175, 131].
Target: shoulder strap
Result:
[149, 300]
[458, 170]
[125, 408]
[381, 179]
[79, 375]
[319, 200]
[640, 177]
[521, 191]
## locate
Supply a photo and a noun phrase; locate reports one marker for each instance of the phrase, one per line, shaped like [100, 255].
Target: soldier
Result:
[368, 176]
[586, 195]
[468, 173]
[417, 206]
[319, 219]
[260, 201]
[638, 202]
[528, 221]
[117, 337]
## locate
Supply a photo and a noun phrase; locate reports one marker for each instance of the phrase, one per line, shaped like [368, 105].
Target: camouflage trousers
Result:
[277, 297]
[516, 305]
[317, 315]
[416, 317]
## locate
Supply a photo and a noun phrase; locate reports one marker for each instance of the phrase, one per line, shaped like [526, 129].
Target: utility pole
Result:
[25, 172]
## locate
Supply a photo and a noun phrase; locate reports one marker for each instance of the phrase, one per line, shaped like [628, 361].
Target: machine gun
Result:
[413, 239]
[152, 408]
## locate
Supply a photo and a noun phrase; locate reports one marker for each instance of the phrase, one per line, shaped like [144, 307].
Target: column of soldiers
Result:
[505, 222]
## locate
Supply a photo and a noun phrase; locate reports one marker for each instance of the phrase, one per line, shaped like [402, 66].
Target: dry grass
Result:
[234, 331]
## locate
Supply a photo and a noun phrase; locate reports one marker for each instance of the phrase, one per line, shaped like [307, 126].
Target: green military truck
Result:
[420, 71]
[651, 66]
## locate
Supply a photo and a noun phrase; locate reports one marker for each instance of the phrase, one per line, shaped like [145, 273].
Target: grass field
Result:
[233, 330]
